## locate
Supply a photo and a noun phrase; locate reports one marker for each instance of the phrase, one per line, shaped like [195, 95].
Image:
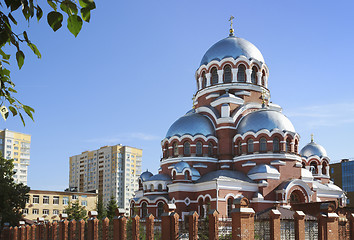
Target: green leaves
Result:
[74, 24]
[69, 7]
[20, 57]
[54, 20]
[34, 49]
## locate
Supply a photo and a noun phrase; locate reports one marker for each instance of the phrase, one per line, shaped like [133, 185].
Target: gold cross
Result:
[311, 137]
[231, 29]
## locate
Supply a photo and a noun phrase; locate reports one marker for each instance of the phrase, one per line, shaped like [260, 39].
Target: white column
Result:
[199, 83]
[266, 81]
[327, 170]
[225, 110]
[220, 78]
[208, 79]
[234, 74]
[319, 169]
[259, 78]
[248, 75]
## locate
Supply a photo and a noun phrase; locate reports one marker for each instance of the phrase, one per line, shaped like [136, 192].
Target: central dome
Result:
[264, 119]
[231, 47]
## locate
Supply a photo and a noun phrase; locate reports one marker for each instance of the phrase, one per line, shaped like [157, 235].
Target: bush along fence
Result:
[170, 227]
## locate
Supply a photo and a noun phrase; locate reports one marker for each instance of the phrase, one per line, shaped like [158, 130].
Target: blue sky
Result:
[130, 74]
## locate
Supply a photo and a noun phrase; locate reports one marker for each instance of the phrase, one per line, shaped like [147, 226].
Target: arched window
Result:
[262, 145]
[263, 78]
[239, 147]
[313, 167]
[132, 209]
[229, 206]
[144, 210]
[204, 80]
[254, 75]
[250, 146]
[166, 151]
[186, 175]
[159, 209]
[152, 188]
[140, 183]
[303, 165]
[287, 146]
[227, 74]
[175, 149]
[199, 148]
[241, 73]
[187, 149]
[159, 187]
[214, 76]
[276, 147]
[201, 208]
[324, 168]
[174, 175]
[210, 149]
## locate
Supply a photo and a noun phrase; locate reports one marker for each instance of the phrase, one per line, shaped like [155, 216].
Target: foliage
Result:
[203, 230]
[13, 196]
[100, 208]
[111, 208]
[75, 211]
[10, 15]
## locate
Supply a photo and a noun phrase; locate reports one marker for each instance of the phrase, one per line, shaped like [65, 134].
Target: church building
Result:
[234, 143]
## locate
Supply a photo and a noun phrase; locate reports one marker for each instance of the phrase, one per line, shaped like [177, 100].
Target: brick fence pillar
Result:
[119, 226]
[40, 228]
[63, 227]
[28, 232]
[169, 223]
[15, 233]
[33, 232]
[22, 231]
[72, 229]
[105, 228]
[213, 225]
[351, 222]
[327, 226]
[135, 227]
[299, 225]
[92, 230]
[81, 231]
[5, 234]
[150, 227]
[193, 225]
[54, 231]
[242, 220]
[274, 224]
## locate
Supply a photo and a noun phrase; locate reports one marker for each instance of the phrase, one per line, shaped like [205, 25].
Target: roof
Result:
[231, 47]
[313, 149]
[225, 175]
[159, 177]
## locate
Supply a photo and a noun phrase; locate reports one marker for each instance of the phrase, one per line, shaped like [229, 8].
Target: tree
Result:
[13, 196]
[75, 211]
[100, 208]
[9, 16]
[111, 208]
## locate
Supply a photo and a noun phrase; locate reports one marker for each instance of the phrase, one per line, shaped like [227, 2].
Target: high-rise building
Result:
[15, 145]
[112, 170]
[342, 174]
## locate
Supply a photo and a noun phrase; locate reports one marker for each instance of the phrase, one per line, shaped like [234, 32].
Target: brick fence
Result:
[242, 226]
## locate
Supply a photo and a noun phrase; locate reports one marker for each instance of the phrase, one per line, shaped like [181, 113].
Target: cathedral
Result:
[234, 143]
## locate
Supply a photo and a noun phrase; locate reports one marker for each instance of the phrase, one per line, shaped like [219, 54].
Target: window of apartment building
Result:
[45, 211]
[16, 153]
[16, 148]
[16, 142]
[35, 211]
[56, 200]
[35, 199]
[45, 199]
[84, 203]
[9, 140]
[55, 212]
[64, 211]
[25, 211]
[65, 200]
[74, 197]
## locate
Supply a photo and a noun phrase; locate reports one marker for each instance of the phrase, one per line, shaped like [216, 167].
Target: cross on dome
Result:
[231, 29]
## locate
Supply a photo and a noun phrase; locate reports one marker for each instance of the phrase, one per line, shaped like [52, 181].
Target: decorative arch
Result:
[227, 74]
[241, 73]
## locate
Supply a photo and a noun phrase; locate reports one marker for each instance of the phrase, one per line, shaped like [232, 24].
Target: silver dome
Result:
[159, 177]
[180, 166]
[192, 123]
[231, 47]
[264, 119]
[313, 149]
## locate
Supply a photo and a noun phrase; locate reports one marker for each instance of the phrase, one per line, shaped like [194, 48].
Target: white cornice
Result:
[284, 156]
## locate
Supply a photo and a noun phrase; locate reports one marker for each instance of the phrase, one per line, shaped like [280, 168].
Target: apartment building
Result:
[342, 174]
[112, 170]
[15, 145]
[49, 204]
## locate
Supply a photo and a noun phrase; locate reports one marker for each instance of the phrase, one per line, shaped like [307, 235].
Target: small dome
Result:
[180, 166]
[231, 47]
[193, 124]
[145, 175]
[264, 119]
[313, 149]
[263, 171]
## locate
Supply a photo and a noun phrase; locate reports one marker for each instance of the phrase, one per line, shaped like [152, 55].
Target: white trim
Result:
[212, 95]
[187, 136]
[188, 159]
[284, 156]
[225, 127]
[225, 166]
